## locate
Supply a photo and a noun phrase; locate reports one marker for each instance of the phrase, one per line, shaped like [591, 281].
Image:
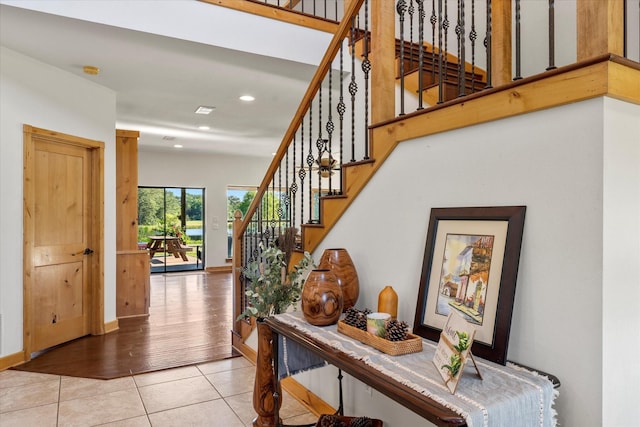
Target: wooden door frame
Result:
[96, 233]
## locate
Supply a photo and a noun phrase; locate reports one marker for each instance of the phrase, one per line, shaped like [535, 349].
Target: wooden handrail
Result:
[316, 81]
[281, 13]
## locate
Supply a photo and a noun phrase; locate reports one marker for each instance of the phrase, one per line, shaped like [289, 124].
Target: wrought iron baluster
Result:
[294, 186]
[272, 218]
[440, 78]
[319, 146]
[401, 8]
[518, 42]
[353, 89]
[473, 35]
[302, 171]
[259, 231]
[421, 16]
[287, 194]
[433, 20]
[330, 128]
[411, 10]
[366, 68]
[552, 35]
[310, 161]
[487, 44]
[460, 31]
[281, 197]
[445, 27]
[341, 108]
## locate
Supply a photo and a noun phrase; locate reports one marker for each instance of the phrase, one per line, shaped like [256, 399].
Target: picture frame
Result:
[470, 265]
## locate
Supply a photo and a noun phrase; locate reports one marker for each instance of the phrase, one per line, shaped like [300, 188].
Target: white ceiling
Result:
[159, 81]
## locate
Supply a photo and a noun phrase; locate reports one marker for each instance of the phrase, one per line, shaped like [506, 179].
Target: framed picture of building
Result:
[470, 266]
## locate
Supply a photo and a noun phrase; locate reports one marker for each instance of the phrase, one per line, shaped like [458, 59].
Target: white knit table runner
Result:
[506, 396]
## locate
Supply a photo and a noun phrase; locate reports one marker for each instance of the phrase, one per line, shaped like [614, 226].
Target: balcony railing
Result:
[404, 58]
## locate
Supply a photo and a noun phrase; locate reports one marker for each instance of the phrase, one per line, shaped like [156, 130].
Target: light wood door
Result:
[59, 209]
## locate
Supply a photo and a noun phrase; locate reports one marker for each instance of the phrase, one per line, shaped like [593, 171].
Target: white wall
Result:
[621, 257]
[552, 162]
[37, 94]
[211, 172]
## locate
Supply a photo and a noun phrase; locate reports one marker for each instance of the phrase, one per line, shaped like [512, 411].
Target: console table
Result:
[418, 386]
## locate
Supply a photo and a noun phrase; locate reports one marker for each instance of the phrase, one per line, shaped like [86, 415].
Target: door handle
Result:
[87, 251]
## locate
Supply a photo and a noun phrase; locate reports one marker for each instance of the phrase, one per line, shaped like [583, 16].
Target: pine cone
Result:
[351, 316]
[397, 331]
[356, 318]
[362, 319]
[361, 422]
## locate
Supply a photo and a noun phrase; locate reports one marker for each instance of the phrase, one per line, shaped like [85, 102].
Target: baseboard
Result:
[11, 360]
[219, 269]
[313, 403]
[245, 350]
[133, 316]
[111, 326]
[309, 400]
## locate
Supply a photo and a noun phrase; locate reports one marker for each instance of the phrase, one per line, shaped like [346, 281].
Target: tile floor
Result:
[211, 394]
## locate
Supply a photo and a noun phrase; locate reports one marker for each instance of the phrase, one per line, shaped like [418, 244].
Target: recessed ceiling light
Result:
[247, 98]
[204, 127]
[204, 109]
[177, 145]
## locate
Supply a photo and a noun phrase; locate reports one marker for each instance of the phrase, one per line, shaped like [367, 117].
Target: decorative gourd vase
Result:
[263, 387]
[388, 302]
[340, 263]
[321, 298]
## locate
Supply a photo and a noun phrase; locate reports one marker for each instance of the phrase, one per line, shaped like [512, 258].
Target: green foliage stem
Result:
[455, 361]
[271, 290]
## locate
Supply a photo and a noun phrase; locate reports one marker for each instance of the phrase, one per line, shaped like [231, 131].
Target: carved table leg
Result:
[263, 399]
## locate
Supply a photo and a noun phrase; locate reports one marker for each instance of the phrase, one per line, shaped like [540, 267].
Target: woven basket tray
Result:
[413, 343]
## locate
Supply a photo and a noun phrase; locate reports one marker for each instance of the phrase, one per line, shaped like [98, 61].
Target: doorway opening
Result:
[171, 227]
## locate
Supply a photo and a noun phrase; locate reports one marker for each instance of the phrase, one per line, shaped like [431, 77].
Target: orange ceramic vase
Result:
[321, 298]
[340, 263]
[388, 302]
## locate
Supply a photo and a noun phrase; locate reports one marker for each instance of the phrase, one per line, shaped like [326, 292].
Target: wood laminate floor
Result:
[190, 321]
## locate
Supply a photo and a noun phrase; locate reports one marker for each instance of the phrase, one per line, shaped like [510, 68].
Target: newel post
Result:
[236, 265]
[501, 42]
[383, 60]
[600, 28]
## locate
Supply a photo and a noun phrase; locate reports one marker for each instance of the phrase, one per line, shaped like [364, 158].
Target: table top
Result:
[162, 237]
[413, 380]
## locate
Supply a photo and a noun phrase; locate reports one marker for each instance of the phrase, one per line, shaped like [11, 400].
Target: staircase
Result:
[597, 72]
[382, 63]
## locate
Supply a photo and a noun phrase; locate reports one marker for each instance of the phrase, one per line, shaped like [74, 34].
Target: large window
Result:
[238, 198]
[171, 226]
